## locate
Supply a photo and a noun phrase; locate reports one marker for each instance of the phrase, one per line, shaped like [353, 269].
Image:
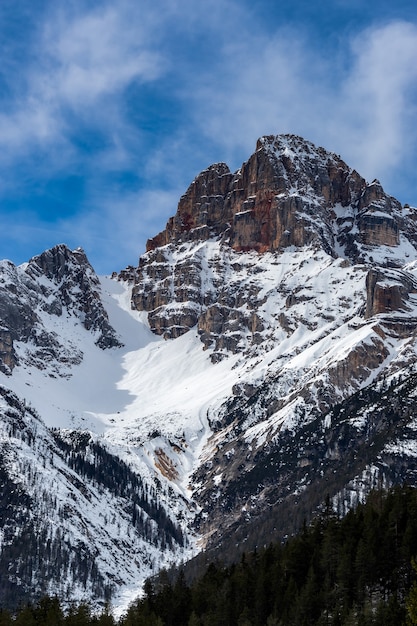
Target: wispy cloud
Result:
[135, 98]
[378, 99]
[267, 85]
[82, 63]
[119, 224]
[360, 104]
[96, 55]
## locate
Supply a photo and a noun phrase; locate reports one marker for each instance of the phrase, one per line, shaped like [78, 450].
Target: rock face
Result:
[77, 289]
[362, 443]
[7, 354]
[284, 195]
[289, 194]
[202, 207]
[297, 263]
[387, 291]
[251, 206]
[57, 282]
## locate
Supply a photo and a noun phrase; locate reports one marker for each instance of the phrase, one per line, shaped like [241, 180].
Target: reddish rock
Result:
[387, 291]
[288, 193]
[282, 196]
[202, 206]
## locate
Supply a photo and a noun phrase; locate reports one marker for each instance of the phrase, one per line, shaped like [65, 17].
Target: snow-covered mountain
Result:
[258, 359]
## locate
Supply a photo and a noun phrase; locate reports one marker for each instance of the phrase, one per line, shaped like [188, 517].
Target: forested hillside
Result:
[358, 569]
[354, 570]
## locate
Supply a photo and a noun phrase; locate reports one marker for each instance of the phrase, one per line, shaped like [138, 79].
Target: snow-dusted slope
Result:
[168, 411]
[68, 518]
[214, 395]
[91, 504]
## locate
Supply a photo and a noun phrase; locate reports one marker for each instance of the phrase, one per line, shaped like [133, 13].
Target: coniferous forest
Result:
[357, 570]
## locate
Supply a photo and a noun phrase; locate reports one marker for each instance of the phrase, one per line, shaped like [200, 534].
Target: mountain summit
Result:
[259, 358]
[289, 195]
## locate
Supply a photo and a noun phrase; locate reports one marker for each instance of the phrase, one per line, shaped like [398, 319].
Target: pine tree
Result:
[5, 618]
[79, 616]
[48, 612]
[106, 618]
[411, 602]
[25, 617]
[194, 620]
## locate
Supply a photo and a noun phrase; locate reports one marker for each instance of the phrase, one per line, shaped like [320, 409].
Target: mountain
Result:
[258, 360]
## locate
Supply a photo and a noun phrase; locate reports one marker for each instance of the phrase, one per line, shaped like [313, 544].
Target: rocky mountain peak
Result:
[57, 262]
[288, 195]
[59, 281]
[77, 288]
[289, 192]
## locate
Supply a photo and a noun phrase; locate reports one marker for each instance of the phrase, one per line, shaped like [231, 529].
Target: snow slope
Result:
[164, 407]
[145, 399]
[118, 442]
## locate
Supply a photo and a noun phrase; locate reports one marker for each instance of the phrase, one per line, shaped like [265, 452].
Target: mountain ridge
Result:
[289, 193]
[225, 371]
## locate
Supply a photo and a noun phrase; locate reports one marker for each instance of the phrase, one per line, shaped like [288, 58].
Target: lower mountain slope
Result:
[357, 569]
[70, 511]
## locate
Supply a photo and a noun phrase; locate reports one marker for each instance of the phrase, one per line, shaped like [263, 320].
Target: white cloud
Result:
[251, 84]
[114, 232]
[81, 65]
[97, 54]
[378, 100]
[361, 103]
[266, 85]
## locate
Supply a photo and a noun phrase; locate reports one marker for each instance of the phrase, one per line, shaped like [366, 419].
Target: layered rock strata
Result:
[288, 195]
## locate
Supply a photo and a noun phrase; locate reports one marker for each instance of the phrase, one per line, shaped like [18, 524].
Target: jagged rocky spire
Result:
[288, 194]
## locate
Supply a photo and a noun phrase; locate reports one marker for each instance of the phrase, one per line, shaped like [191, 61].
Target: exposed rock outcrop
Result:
[56, 282]
[284, 195]
[77, 289]
[289, 194]
[8, 357]
[388, 291]
[202, 207]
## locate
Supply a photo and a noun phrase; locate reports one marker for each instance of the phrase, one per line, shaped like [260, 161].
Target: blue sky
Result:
[108, 110]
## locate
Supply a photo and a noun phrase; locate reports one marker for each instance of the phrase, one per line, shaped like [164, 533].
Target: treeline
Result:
[336, 572]
[92, 461]
[48, 612]
[357, 570]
